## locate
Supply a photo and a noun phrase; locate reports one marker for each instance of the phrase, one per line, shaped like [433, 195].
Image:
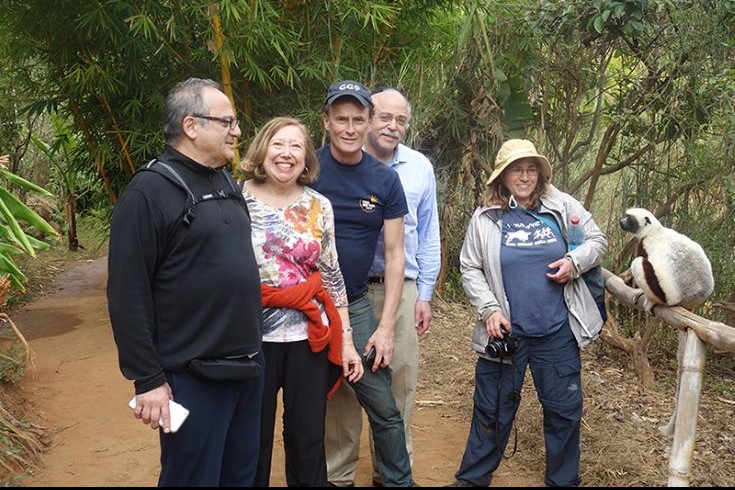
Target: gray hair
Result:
[385, 88]
[184, 99]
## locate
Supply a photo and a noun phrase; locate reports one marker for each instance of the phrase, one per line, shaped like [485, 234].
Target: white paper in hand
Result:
[176, 411]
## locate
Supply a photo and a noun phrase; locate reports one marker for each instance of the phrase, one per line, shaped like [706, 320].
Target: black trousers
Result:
[304, 377]
[218, 443]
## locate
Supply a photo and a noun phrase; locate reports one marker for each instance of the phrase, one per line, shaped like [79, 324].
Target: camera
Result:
[504, 347]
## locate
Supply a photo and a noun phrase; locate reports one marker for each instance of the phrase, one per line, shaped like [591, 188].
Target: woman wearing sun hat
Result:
[521, 276]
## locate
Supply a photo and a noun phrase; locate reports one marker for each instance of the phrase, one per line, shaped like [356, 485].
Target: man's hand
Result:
[383, 341]
[152, 406]
[422, 316]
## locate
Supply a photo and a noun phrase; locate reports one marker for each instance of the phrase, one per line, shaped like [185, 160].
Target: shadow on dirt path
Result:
[78, 391]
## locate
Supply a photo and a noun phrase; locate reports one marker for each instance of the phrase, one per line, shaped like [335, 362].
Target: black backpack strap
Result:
[167, 171]
[238, 188]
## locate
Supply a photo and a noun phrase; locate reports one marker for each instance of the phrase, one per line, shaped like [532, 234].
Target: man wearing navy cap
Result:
[366, 196]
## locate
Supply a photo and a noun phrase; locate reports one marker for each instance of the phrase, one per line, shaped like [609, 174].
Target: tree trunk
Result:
[71, 216]
[635, 347]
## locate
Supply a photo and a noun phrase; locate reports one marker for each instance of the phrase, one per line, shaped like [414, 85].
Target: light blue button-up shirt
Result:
[421, 224]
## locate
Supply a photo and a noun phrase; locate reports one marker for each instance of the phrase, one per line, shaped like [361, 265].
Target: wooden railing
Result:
[694, 332]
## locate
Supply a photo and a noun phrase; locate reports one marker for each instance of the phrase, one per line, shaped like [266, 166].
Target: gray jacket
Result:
[482, 278]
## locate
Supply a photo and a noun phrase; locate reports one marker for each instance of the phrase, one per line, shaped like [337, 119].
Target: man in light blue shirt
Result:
[423, 260]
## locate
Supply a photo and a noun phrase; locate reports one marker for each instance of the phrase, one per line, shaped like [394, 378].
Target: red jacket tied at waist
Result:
[299, 297]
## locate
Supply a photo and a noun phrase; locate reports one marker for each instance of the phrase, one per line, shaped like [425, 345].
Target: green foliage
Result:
[13, 357]
[453, 290]
[595, 18]
[625, 15]
[633, 100]
[93, 231]
[13, 238]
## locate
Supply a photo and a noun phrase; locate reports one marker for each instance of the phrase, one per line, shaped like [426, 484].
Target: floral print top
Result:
[290, 243]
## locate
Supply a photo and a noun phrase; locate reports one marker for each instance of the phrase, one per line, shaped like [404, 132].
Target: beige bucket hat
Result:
[516, 149]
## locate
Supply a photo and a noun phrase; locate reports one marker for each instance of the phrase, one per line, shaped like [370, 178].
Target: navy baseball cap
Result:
[349, 88]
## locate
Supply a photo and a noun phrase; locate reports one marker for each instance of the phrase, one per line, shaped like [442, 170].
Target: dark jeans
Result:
[375, 395]
[556, 369]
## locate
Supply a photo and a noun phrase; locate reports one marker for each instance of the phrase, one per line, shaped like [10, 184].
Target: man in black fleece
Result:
[181, 291]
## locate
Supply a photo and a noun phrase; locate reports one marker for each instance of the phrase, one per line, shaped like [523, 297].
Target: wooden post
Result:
[687, 409]
[698, 331]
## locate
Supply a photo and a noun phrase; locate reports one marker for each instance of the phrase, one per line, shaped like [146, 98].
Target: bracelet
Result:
[347, 330]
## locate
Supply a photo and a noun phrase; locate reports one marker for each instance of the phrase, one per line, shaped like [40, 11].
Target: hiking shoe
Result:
[378, 483]
[461, 483]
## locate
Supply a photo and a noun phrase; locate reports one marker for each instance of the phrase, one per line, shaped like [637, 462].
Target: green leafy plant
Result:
[62, 154]
[13, 238]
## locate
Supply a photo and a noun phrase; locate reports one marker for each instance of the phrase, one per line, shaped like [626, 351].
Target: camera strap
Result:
[514, 398]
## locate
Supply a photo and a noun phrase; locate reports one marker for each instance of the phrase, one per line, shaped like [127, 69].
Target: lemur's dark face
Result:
[630, 224]
[635, 221]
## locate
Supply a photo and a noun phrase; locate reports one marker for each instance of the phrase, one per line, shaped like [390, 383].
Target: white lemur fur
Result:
[671, 268]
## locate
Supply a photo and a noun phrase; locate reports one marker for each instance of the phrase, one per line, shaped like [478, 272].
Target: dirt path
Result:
[81, 395]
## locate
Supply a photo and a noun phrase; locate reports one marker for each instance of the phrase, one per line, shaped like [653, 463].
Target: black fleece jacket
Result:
[174, 292]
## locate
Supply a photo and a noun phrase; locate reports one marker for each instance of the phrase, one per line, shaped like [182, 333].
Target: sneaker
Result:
[461, 483]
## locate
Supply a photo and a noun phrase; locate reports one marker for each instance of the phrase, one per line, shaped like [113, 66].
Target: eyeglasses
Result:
[386, 118]
[518, 171]
[227, 121]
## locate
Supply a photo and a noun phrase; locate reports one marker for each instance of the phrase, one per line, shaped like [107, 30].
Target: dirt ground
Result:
[78, 395]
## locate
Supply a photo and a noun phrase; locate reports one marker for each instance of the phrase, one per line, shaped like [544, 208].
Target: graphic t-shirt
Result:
[528, 246]
[362, 196]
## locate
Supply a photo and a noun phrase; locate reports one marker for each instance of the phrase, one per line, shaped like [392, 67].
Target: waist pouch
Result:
[224, 369]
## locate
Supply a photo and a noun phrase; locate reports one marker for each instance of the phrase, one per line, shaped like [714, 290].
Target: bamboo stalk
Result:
[118, 133]
[224, 62]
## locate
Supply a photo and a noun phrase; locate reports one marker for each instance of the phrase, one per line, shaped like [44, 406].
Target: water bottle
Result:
[593, 277]
[575, 233]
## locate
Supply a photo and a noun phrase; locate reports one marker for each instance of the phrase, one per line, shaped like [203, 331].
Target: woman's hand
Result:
[564, 273]
[352, 366]
[496, 324]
